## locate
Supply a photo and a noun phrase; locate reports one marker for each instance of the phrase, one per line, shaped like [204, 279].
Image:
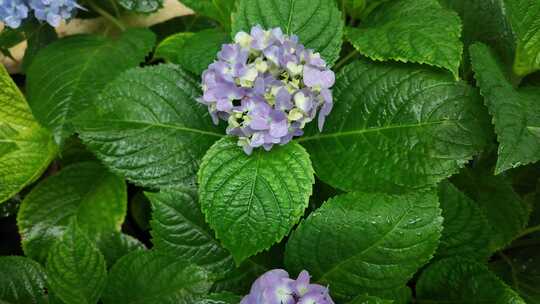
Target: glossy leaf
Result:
[86, 191]
[152, 277]
[61, 84]
[26, 148]
[524, 16]
[318, 24]
[22, 281]
[466, 230]
[361, 243]
[179, 229]
[458, 280]
[513, 111]
[366, 299]
[76, 269]
[252, 201]
[192, 51]
[148, 126]
[418, 31]
[396, 127]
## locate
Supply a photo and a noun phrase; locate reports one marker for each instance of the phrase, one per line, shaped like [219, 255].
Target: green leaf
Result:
[148, 126]
[26, 149]
[115, 245]
[458, 280]
[220, 298]
[141, 6]
[87, 191]
[39, 38]
[484, 21]
[366, 299]
[411, 31]
[513, 110]
[192, 51]
[140, 210]
[179, 229]
[506, 213]
[396, 127]
[62, 83]
[318, 23]
[522, 272]
[370, 243]
[76, 269]
[252, 201]
[22, 281]
[240, 279]
[524, 16]
[219, 10]
[466, 232]
[152, 277]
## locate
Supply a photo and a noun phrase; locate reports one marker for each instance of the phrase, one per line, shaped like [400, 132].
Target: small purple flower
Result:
[54, 11]
[13, 12]
[267, 87]
[275, 287]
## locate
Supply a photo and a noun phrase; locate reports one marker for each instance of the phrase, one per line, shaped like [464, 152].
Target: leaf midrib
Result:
[154, 124]
[370, 130]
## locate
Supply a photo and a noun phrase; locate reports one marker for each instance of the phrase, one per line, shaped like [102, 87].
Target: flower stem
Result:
[345, 59]
[106, 15]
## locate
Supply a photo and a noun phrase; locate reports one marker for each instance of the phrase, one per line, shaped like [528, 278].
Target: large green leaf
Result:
[466, 232]
[370, 243]
[521, 271]
[26, 149]
[76, 270]
[67, 75]
[366, 299]
[458, 280]
[179, 229]
[411, 31]
[148, 126]
[506, 213]
[513, 111]
[219, 10]
[318, 23]
[252, 201]
[22, 281]
[192, 51]
[524, 17]
[395, 127]
[152, 277]
[86, 191]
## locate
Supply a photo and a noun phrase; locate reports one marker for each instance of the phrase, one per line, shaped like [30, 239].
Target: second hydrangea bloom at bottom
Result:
[275, 287]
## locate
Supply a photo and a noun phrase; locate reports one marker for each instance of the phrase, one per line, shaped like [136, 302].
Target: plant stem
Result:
[344, 60]
[107, 16]
[528, 231]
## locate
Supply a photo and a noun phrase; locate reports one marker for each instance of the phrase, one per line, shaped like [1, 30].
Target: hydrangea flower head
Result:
[267, 86]
[275, 287]
[13, 12]
[54, 11]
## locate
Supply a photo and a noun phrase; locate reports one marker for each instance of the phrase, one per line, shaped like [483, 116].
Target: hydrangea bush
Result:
[271, 152]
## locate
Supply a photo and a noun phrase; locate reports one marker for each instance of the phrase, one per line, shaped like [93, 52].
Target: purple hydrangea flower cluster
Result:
[267, 86]
[13, 12]
[275, 287]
